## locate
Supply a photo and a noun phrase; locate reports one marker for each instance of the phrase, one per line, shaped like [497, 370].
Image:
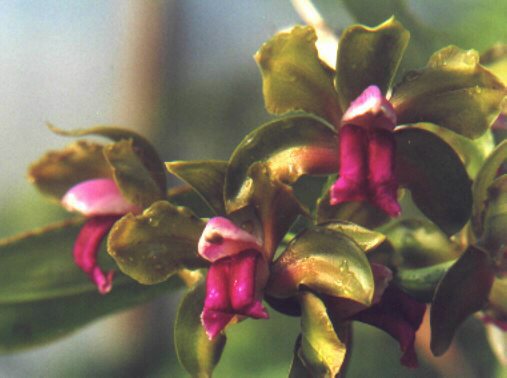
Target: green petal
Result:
[419, 243]
[366, 239]
[196, 353]
[472, 152]
[494, 238]
[272, 202]
[463, 290]
[156, 244]
[495, 59]
[436, 177]
[142, 147]
[293, 77]
[325, 261]
[206, 177]
[297, 369]
[482, 182]
[57, 171]
[185, 195]
[135, 182]
[32, 323]
[368, 56]
[453, 91]
[291, 147]
[323, 349]
[421, 283]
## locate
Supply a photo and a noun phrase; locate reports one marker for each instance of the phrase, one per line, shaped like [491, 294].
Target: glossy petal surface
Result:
[97, 197]
[222, 238]
[87, 247]
[231, 287]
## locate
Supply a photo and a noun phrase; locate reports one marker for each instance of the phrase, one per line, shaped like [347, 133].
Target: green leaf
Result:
[32, 323]
[463, 290]
[327, 262]
[421, 283]
[57, 171]
[453, 91]
[206, 177]
[366, 239]
[482, 182]
[38, 265]
[368, 56]
[142, 147]
[323, 349]
[419, 243]
[135, 182]
[291, 147]
[45, 296]
[272, 202]
[156, 244]
[196, 353]
[293, 77]
[436, 177]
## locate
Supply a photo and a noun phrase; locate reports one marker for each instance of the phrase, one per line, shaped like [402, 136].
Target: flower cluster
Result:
[361, 254]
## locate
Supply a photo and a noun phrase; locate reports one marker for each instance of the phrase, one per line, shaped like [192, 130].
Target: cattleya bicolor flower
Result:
[381, 129]
[102, 203]
[367, 151]
[236, 277]
[102, 183]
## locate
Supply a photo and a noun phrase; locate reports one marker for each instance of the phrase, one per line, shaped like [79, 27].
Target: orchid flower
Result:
[236, 277]
[370, 115]
[367, 151]
[103, 183]
[102, 203]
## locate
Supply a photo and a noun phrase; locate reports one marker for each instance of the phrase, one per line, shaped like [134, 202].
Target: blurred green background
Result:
[182, 73]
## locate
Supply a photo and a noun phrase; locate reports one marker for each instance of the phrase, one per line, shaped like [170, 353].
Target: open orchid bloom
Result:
[236, 277]
[367, 151]
[101, 201]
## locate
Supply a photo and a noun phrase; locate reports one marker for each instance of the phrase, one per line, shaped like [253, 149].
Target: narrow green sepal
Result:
[196, 353]
[323, 348]
[58, 171]
[272, 202]
[133, 179]
[482, 183]
[463, 291]
[206, 177]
